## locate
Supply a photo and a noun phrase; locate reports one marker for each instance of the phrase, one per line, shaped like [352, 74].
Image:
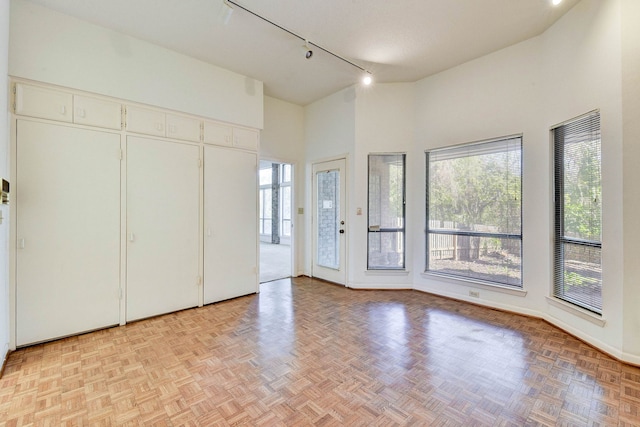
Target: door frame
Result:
[294, 222]
[344, 254]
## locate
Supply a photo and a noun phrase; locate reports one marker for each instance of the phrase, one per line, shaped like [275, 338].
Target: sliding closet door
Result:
[230, 223]
[163, 225]
[67, 229]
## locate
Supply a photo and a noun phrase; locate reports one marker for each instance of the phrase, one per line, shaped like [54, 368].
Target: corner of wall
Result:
[4, 173]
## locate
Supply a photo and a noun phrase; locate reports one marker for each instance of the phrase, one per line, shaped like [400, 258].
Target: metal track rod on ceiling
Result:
[298, 36]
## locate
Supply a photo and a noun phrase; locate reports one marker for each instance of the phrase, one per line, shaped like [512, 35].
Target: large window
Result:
[474, 211]
[386, 212]
[578, 206]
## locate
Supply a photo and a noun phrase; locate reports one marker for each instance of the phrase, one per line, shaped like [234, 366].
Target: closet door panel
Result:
[163, 226]
[68, 231]
[230, 224]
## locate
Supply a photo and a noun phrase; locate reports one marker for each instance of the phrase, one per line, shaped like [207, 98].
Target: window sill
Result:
[577, 311]
[387, 272]
[477, 284]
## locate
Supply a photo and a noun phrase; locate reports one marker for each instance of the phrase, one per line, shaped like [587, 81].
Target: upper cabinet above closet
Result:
[184, 128]
[44, 103]
[158, 123]
[69, 106]
[97, 112]
[225, 135]
[145, 120]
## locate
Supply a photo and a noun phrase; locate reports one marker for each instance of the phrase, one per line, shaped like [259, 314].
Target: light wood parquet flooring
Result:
[304, 352]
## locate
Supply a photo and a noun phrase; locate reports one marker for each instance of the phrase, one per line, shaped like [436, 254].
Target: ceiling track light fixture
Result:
[227, 12]
[308, 52]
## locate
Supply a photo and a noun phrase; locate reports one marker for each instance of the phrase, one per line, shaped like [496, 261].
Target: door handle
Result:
[341, 231]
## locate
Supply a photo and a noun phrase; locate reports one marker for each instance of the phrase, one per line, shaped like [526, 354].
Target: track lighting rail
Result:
[342, 58]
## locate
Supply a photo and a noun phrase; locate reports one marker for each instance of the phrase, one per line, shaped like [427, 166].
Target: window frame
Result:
[559, 237]
[517, 236]
[402, 229]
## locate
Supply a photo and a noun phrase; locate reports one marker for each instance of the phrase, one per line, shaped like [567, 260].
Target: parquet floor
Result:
[304, 352]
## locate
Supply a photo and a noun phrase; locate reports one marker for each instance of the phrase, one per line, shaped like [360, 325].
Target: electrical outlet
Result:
[474, 294]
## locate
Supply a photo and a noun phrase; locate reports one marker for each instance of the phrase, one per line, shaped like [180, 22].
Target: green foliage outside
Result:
[477, 193]
[582, 191]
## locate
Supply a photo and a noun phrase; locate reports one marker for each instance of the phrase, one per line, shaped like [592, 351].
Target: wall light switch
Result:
[359, 211]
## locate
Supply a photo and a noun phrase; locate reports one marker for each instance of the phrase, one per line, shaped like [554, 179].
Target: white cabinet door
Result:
[184, 128]
[97, 112]
[144, 120]
[230, 224]
[68, 231]
[50, 104]
[218, 134]
[163, 227]
[245, 138]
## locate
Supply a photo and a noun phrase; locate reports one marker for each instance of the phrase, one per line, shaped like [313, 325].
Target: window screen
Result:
[578, 207]
[474, 211]
[386, 212]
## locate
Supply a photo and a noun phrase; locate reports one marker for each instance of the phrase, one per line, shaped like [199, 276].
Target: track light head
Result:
[367, 79]
[308, 53]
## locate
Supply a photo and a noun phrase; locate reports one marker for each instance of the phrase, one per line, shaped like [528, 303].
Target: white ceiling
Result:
[398, 41]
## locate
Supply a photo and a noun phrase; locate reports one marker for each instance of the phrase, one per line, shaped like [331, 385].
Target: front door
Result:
[329, 216]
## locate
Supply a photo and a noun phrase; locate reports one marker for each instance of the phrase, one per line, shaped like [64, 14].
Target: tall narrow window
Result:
[386, 212]
[474, 211]
[578, 207]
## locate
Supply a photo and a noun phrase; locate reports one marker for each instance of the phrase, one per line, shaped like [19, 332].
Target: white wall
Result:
[282, 140]
[496, 95]
[54, 48]
[4, 173]
[571, 69]
[329, 133]
[631, 178]
[384, 124]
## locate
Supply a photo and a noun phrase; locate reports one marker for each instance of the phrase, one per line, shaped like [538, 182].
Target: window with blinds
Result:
[386, 213]
[474, 211]
[578, 212]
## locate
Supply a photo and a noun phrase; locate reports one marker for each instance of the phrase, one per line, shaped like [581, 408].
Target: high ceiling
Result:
[398, 41]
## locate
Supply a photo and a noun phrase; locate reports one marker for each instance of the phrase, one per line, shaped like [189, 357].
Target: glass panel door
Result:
[328, 214]
[329, 221]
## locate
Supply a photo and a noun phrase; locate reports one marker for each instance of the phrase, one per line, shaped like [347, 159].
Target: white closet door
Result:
[230, 224]
[163, 226]
[68, 231]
